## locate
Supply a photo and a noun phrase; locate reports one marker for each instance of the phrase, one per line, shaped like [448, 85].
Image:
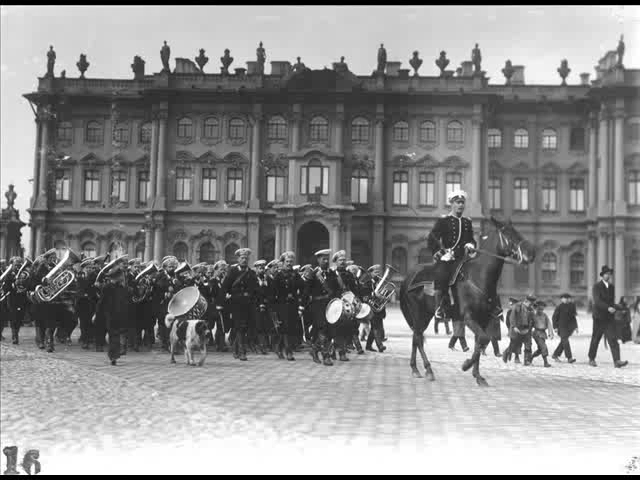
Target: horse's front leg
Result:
[480, 342]
[427, 365]
[416, 338]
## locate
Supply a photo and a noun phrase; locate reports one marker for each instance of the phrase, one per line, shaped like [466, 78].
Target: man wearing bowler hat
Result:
[564, 323]
[603, 323]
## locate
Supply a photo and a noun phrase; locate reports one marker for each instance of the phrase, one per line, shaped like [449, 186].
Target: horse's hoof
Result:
[467, 364]
[430, 377]
[416, 374]
[481, 382]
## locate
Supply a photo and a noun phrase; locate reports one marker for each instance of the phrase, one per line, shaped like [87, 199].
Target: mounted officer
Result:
[449, 240]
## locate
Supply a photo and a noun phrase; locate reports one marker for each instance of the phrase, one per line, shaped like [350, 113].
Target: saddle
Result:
[423, 278]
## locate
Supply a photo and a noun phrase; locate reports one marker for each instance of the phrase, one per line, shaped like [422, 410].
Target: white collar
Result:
[605, 283]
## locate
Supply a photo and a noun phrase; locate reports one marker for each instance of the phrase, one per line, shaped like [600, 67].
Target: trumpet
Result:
[144, 283]
[384, 290]
[59, 278]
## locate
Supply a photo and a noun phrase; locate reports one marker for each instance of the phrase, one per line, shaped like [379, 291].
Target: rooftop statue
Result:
[476, 59]
[51, 61]
[620, 50]
[165, 53]
[262, 57]
[382, 58]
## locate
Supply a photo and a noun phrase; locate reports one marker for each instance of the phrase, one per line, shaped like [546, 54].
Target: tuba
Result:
[144, 283]
[3, 279]
[60, 277]
[383, 291]
[21, 280]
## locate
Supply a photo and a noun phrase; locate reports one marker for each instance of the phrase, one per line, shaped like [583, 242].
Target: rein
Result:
[491, 254]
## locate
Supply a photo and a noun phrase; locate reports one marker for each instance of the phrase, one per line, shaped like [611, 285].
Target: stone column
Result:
[603, 174]
[347, 239]
[338, 144]
[74, 243]
[3, 246]
[153, 163]
[378, 181]
[618, 157]
[591, 269]
[36, 167]
[603, 241]
[161, 184]
[254, 200]
[131, 247]
[378, 241]
[593, 162]
[295, 147]
[158, 242]
[254, 236]
[620, 267]
[39, 225]
[476, 166]
[335, 237]
[148, 239]
[289, 236]
[277, 249]
[42, 201]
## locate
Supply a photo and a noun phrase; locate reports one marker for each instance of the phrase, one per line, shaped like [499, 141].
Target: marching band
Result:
[276, 306]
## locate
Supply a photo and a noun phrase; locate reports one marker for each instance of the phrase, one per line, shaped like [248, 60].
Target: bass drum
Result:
[365, 312]
[188, 304]
[338, 309]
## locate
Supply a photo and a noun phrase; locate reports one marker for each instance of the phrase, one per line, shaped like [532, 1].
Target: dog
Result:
[190, 334]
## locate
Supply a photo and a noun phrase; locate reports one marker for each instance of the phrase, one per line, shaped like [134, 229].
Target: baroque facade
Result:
[199, 164]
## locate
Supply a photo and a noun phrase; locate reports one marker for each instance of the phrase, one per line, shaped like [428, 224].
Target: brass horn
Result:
[58, 279]
[384, 290]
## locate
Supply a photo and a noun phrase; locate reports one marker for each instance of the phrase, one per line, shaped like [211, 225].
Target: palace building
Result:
[198, 164]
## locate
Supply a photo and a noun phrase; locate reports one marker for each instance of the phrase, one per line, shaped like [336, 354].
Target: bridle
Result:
[516, 257]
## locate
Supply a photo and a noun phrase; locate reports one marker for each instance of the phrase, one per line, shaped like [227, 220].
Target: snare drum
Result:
[338, 309]
[353, 300]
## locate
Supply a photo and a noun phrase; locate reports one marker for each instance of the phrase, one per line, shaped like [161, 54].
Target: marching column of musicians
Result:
[276, 306]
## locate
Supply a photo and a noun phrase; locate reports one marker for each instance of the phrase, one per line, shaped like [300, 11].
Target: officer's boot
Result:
[546, 362]
[370, 338]
[356, 341]
[314, 354]
[439, 313]
[326, 359]
[289, 341]
[123, 344]
[378, 338]
[48, 335]
[14, 336]
[262, 344]
[343, 356]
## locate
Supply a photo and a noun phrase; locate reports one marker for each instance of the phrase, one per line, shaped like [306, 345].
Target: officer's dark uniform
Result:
[241, 283]
[565, 322]
[265, 302]
[115, 305]
[86, 306]
[289, 288]
[47, 315]
[376, 317]
[322, 287]
[449, 232]
[164, 286]
[222, 314]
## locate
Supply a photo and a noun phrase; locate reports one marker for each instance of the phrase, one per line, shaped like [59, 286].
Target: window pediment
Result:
[577, 168]
[92, 159]
[209, 157]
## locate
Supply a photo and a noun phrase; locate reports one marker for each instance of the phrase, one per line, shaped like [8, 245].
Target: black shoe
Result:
[505, 356]
[497, 354]
[361, 352]
[370, 349]
[571, 360]
[343, 357]
[113, 362]
[556, 359]
[243, 357]
[592, 363]
[621, 363]
[327, 361]
[382, 349]
[465, 349]
[517, 359]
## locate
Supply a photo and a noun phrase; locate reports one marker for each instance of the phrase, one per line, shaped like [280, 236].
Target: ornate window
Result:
[455, 132]
[549, 267]
[180, 251]
[319, 129]
[119, 187]
[65, 131]
[314, 179]
[401, 132]
[428, 132]
[427, 189]
[211, 128]
[121, 133]
[207, 253]
[400, 188]
[495, 193]
[277, 128]
[633, 186]
[143, 187]
[94, 133]
[91, 185]
[494, 138]
[63, 185]
[634, 269]
[577, 138]
[209, 185]
[549, 139]
[360, 130]
[521, 138]
[234, 185]
[576, 269]
[359, 186]
[521, 193]
[89, 250]
[399, 259]
[275, 185]
[183, 184]
[145, 133]
[236, 129]
[185, 128]
[576, 192]
[549, 195]
[230, 253]
[453, 181]
[424, 256]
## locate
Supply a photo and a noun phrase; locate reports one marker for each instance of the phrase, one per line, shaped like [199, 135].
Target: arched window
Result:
[180, 251]
[425, 256]
[319, 129]
[121, 133]
[185, 128]
[236, 129]
[359, 186]
[549, 139]
[455, 133]
[314, 178]
[234, 185]
[207, 253]
[268, 249]
[399, 259]
[140, 251]
[494, 138]
[94, 133]
[275, 185]
[360, 130]
[549, 267]
[277, 128]
[634, 269]
[400, 188]
[576, 268]
[60, 246]
[230, 253]
[521, 138]
[89, 250]
[65, 131]
[145, 133]
[428, 132]
[211, 128]
[401, 132]
[116, 250]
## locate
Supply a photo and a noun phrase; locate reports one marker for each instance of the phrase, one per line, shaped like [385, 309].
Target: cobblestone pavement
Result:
[272, 416]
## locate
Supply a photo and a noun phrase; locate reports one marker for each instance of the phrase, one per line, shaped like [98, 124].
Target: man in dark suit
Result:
[603, 322]
[564, 323]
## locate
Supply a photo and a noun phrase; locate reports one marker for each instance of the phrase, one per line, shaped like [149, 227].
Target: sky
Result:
[538, 37]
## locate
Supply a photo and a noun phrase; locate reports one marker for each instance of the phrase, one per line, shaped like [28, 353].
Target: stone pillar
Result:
[335, 237]
[277, 249]
[42, 201]
[593, 162]
[290, 236]
[295, 147]
[36, 168]
[338, 144]
[161, 184]
[158, 242]
[32, 242]
[131, 247]
[153, 163]
[378, 181]
[39, 239]
[254, 200]
[74, 243]
[476, 166]
[618, 156]
[378, 241]
[591, 269]
[148, 243]
[3, 246]
[603, 241]
[620, 267]
[347, 240]
[603, 174]
[254, 236]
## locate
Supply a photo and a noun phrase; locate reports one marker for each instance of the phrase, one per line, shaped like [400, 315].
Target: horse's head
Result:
[511, 244]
